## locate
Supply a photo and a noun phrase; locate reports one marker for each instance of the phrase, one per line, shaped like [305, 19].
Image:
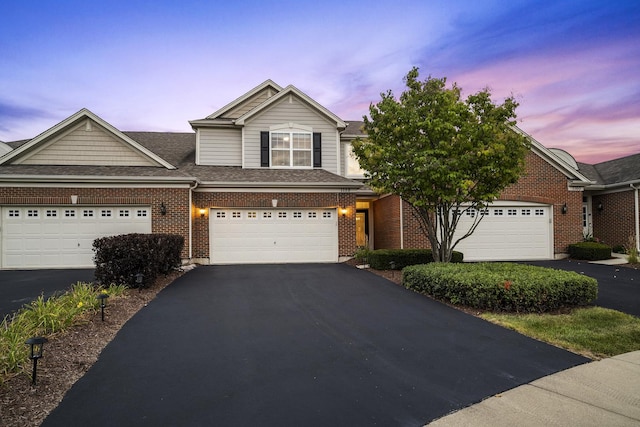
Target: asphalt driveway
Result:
[311, 345]
[20, 287]
[618, 286]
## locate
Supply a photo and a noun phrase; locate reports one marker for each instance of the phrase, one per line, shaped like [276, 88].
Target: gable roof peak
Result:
[289, 90]
[262, 86]
[74, 119]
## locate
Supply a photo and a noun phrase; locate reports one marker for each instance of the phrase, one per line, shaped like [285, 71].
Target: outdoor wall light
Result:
[103, 302]
[163, 209]
[564, 209]
[343, 211]
[139, 280]
[37, 344]
[600, 207]
[202, 213]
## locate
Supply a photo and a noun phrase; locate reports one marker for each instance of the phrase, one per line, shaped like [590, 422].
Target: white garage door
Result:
[45, 237]
[509, 232]
[257, 236]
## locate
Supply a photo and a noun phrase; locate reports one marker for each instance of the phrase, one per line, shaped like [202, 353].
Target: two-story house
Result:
[268, 178]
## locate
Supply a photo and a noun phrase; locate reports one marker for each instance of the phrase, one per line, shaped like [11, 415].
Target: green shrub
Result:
[120, 258]
[502, 286]
[591, 251]
[619, 249]
[397, 259]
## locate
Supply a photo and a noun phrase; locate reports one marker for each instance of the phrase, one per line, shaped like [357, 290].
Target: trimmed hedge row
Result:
[592, 251]
[502, 286]
[120, 258]
[397, 259]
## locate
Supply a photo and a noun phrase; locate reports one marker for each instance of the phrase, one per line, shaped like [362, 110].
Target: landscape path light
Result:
[37, 344]
[103, 302]
[139, 280]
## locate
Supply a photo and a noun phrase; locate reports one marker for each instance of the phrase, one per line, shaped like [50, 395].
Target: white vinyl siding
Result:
[290, 110]
[86, 144]
[220, 147]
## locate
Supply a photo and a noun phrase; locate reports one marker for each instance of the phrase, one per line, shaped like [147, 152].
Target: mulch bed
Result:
[67, 357]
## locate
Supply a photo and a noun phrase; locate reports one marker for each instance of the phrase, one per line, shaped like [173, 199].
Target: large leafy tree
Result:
[442, 154]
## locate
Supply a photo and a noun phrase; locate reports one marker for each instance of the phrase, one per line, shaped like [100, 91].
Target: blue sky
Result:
[573, 65]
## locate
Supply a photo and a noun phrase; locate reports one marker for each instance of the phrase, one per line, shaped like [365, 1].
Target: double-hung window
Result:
[290, 145]
[291, 149]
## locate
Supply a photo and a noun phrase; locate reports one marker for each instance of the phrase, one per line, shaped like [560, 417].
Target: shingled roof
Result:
[179, 150]
[618, 171]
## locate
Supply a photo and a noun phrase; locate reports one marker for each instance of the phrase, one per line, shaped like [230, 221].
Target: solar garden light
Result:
[36, 343]
[103, 302]
[139, 280]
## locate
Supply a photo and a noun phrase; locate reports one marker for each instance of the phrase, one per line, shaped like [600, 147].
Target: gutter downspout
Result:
[191, 220]
[637, 216]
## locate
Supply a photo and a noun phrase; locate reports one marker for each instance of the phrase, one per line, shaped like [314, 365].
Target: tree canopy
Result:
[442, 154]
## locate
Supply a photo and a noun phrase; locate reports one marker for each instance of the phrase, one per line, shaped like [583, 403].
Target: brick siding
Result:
[614, 225]
[206, 200]
[540, 183]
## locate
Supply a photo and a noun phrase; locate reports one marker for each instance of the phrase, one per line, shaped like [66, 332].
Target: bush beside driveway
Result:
[299, 345]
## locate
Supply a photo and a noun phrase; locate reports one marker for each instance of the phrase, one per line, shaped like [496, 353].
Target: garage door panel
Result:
[41, 237]
[509, 233]
[273, 235]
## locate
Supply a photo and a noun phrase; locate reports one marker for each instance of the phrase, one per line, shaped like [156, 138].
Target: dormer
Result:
[270, 127]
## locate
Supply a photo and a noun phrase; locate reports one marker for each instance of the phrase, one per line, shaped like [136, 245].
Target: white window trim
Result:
[291, 128]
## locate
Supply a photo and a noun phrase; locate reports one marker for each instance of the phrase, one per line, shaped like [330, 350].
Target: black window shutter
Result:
[317, 150]
[264, 149]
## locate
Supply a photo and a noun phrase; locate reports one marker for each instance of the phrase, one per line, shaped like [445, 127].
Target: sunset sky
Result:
[573, 65]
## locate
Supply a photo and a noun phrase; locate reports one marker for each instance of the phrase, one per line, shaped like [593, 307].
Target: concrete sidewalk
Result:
[602, 393]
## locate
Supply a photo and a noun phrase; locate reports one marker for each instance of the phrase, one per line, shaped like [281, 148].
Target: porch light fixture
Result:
[202, 213]
[564, 209]
[600, 207]
[37, 344]
[163, 209]
[102, 297]
[343, 211]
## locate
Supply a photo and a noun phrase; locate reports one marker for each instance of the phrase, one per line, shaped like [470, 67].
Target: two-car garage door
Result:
[508, 231]
[255, 236]
[49, 237]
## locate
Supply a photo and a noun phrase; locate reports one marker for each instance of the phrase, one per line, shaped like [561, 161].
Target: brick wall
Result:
[386, 223]
[615, 223]
[176, 201]
[205, 200]
[541, 183]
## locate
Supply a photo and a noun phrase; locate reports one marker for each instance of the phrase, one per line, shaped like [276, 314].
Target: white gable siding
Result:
[290, 110]
[220, 147]
[249, 104]
[86, 144]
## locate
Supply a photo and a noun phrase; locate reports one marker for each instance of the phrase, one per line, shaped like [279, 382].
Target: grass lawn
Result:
[594, 332]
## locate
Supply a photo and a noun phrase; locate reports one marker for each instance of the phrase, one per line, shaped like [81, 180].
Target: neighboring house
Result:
[610, 211]
[268, 178]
